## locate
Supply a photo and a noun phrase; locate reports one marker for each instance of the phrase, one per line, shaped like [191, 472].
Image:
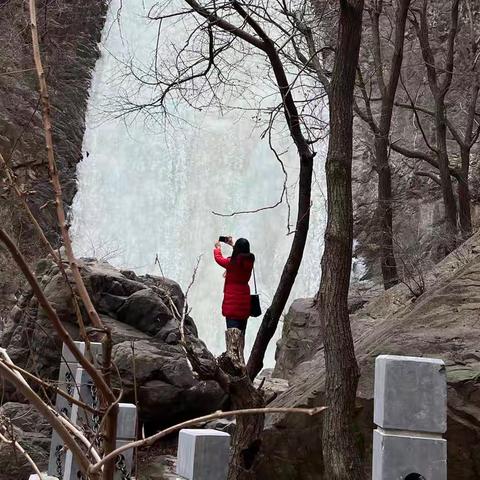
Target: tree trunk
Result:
[389, 89]
[385, 214]
[243, 394]
[450, 205]
[340, 454]
[439, 91]
[464, 201]
[273, 313]
[290, 270]
[246, 439]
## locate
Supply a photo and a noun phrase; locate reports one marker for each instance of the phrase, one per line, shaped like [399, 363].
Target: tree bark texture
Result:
[385, 215]
[246, 439]
[341, 457]
[450, 205]
[464, 198]
[243, 394]
[466, 144]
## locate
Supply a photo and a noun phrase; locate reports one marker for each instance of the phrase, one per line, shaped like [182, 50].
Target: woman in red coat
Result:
[236, 292]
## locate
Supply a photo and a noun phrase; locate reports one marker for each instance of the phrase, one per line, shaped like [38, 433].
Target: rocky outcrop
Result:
[69, 34]
[301, 329]
[442, 323]
[142, 314]
[300, 334]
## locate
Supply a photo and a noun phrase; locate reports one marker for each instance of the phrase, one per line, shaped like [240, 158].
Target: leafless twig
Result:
[17, 446]
[196, 421]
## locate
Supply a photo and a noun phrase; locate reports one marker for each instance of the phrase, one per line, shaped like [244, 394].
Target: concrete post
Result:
[90, 425]
[126, 433]
[410, 412]
[203, 454]
[66, 383]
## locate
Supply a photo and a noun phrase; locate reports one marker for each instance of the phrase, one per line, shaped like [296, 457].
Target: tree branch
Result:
[190, 423]
[94, 317]
[377, 52]
[417, 118]
[51, 314]
[227, 26]
[54, 389]
[429, 59]
[367, 115]
[449, 63]
[44, 410]
[455, 133]
[17, 446]
[429, 175]
[421, 156]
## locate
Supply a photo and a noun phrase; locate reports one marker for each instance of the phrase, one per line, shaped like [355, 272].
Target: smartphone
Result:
[223, 239]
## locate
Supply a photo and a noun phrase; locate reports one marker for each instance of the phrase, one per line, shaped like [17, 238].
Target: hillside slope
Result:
[444, 323]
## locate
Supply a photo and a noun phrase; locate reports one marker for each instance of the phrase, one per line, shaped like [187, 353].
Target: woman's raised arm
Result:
[219, 258]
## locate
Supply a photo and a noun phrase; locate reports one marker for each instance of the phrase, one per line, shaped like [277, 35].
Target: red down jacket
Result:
[236, 292]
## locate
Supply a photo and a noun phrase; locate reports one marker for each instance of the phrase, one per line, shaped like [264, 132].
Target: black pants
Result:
[236, 323]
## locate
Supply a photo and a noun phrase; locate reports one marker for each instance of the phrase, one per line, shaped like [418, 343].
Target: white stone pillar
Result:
[410, 412]
[203, 454]
[66, 383]
[126, 433]
[90, 425]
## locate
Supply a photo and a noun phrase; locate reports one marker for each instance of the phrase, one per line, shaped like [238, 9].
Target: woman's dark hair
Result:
[242, 247]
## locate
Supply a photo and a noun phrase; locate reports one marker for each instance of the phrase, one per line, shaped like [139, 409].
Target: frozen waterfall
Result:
[145, 190]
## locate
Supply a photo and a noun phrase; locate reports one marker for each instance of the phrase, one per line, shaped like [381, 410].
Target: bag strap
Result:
[255, 281]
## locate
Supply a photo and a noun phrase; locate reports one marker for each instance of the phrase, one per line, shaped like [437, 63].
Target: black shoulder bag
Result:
[255, 309]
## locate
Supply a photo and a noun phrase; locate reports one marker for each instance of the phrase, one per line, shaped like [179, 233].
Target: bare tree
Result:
[439, 81]
[460, 112]
[381, 127]
[341, 458]
[218, 34]
[225, 33]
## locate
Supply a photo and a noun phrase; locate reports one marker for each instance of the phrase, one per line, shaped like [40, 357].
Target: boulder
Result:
[142, 313]
[442, 323]
[271, 386]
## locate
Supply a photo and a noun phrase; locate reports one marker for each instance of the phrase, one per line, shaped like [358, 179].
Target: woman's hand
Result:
[218, 244]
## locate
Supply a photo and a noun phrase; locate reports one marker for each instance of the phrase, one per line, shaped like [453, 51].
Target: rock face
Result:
[141, 312]
[441, 323]
[301, 331]
[69, 34]
[32, 432]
